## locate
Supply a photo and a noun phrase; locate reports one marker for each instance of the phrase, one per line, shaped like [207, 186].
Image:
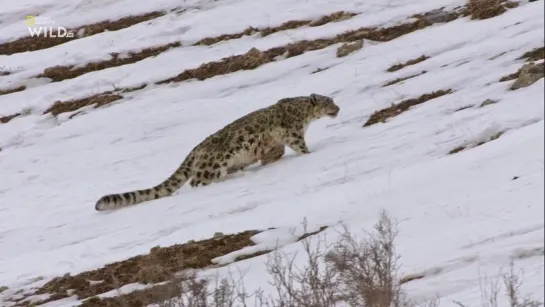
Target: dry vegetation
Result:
[381, 116]
[7, 118]
[288, 25]
[60, 73]
[28, 43]
[12, 90]
[160, 269]
[253, 58]
[398, 80]
[399, 66]
[72, 105]
[349, 272]
[484, 9]
[528, 57]
[464, 147]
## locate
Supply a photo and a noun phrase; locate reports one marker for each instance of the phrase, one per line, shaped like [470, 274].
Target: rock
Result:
[438, 16]
[529, 74]
[488, 102]
[347, 48]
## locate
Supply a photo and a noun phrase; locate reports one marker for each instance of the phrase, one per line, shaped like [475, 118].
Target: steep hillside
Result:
[441, 126]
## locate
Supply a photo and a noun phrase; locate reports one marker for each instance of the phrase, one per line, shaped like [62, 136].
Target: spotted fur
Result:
[258, 136]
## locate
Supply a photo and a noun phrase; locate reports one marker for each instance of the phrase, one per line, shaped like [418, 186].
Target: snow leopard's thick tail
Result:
[164, 189]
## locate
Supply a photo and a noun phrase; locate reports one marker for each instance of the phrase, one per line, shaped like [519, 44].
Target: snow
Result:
[460, 213]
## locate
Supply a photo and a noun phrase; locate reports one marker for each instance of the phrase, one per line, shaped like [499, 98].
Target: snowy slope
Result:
[451, 208]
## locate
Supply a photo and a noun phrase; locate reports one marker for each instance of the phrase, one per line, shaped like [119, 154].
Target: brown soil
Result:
[255, 58]
[484, 9]
[288, 25]
[28, 43]
[382, 115]
[534, 55]
[399, 66]
[159, 265]
[403, 79]
[72, 105]
[530, 56]
[13, 90]
[461, 148]
[60, 73]
[512, 76]
[7, 118]
[251, 61]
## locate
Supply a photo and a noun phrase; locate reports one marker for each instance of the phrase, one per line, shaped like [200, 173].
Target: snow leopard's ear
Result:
[314, 99]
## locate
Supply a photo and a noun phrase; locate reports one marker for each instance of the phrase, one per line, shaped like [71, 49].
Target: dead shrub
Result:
[491, 288]
[381, 116]
[484, 9]
[399, 66]
[350, 272]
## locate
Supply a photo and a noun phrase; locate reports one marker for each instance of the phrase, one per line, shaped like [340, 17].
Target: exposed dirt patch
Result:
[37, 43]
[308, 234]
[484, 9]
[382, 115]
[398, 80]
[98, 100]
[7, 118]
[399, 66]
[4, 72]
[534, 55]
[512, 76]
[411, 277]
[469, 146]
[348, 48]
[528, 75]
[288, 25]
[255, 58]
[242, 62]
[160, 265]
[60, 73]
[13, 90]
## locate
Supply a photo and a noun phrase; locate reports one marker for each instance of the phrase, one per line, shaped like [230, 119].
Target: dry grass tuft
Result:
[13, 90]
[534, 55]
[98, 100]
[484, 9]
[60, 73]
[399, 66]
[398, 80]
[159, 265]
[28, 43]
[288, 25]
[255, 58]
[382, 115]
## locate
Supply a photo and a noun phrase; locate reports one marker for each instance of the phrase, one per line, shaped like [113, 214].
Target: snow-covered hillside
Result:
[458, 212]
